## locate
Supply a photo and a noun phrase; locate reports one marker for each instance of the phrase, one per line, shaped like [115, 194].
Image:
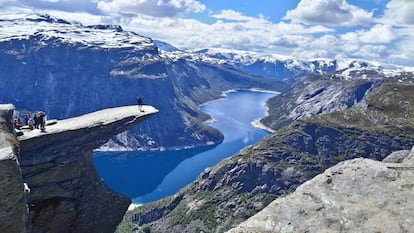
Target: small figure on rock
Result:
[19, 123]
[36, 120]
[140, 102]
[26, 119]
[42, 120]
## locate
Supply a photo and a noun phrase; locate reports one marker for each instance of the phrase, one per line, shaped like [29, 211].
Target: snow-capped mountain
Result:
[164, 46]
[287, 68]
[68, 69]
[43, 26]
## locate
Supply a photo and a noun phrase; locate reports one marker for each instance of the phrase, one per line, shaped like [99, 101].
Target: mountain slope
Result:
[227, 194]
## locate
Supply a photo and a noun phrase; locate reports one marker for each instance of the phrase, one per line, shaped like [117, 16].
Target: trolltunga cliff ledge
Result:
[66, 193]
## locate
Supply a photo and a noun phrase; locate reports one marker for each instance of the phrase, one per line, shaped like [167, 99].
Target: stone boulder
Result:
[359, 195]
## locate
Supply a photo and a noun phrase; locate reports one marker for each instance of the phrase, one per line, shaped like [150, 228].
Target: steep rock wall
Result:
[13, 208]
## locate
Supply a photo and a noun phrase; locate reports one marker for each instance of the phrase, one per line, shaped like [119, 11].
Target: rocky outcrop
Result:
[13, 207]
[359, 195]
[66, 193]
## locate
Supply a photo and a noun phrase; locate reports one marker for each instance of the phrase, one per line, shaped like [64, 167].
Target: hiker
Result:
[26, 119]
[30, 123]
[19, 123]
[36, 120]
[42, 120]
[140, 102]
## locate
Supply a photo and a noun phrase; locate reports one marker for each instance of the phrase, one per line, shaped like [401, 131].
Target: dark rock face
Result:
[240, 186]
[67, 195]
[13, 208]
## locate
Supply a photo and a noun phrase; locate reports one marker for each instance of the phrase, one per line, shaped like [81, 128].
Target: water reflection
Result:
[149, 176]
[137, 173]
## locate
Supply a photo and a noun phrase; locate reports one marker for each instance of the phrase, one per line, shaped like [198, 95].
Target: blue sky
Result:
[376, 30]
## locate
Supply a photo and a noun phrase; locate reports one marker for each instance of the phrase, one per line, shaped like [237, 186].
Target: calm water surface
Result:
[149, 176]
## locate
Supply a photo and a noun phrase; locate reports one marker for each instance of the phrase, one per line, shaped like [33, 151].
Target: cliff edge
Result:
[66, 193]
[13, 208]
[359, 195]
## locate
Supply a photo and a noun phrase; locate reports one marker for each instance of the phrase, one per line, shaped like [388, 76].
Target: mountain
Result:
[377, 121]
[164, 46]
[272, 65]
[324, 94]
[67, 69]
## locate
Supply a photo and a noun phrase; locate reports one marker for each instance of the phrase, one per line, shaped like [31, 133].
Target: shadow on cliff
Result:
[135, 173]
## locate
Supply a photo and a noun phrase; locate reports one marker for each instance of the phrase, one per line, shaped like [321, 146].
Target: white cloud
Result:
[400, 12]
[328, 12]
[158, 8]
[383, 41]
[231, 15]
[378, 34]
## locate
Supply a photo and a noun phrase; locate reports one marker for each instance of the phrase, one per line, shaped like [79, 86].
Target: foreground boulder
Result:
[359, 195]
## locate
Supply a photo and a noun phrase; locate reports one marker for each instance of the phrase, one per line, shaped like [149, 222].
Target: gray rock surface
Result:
[396, 156]
[13, 208]
[67, 195]
[359, 195]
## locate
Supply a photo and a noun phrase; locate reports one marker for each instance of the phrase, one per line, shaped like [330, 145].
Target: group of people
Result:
[37, 121]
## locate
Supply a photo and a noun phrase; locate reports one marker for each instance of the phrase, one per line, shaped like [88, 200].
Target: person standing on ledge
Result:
[140, 102]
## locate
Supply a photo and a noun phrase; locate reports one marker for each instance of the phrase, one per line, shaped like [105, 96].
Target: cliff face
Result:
[13, 207]
[235, 189]
[359, 195]
[66, 193]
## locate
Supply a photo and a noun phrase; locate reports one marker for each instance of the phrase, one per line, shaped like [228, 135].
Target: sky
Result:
[375, 30]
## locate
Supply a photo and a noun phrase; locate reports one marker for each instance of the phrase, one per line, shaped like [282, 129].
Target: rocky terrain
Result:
[378, 122]
[359, 195]
[56, 165]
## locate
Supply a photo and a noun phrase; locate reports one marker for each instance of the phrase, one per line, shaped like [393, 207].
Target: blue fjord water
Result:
[149, 176]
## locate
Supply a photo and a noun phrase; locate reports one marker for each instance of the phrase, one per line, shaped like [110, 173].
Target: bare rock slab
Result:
[359, 195]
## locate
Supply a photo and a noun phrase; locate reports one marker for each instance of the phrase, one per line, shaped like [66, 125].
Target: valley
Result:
[217, 174]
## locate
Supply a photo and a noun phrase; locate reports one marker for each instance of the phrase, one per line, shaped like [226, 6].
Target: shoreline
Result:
[255, 123]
